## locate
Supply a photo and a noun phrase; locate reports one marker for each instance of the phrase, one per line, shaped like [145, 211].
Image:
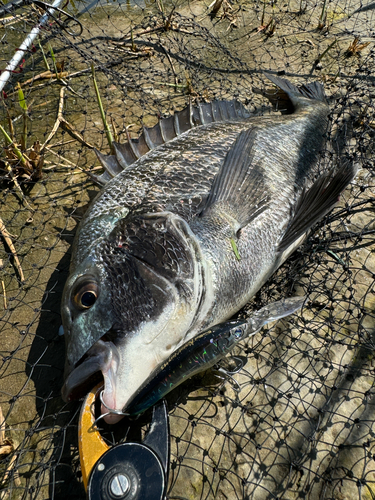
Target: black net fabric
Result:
[297, 421]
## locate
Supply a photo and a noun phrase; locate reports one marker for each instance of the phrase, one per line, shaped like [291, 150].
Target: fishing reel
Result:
[126, 471]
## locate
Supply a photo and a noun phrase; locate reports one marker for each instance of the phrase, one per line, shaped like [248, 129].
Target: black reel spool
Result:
[135, 471]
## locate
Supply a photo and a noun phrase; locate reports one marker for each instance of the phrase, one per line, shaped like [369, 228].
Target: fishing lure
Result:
[204, 351]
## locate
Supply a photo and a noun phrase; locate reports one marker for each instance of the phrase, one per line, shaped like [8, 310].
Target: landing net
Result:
[298, 423]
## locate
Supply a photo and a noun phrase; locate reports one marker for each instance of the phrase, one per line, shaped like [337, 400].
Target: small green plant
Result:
[20, 161]
[23, 105]
[102, 113]
[235, 249]
[44, 57]
[54, 62]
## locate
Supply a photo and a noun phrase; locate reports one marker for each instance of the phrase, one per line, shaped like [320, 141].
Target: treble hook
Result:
[235, 385]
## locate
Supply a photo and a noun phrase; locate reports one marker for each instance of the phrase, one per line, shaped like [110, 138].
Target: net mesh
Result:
[297, 421]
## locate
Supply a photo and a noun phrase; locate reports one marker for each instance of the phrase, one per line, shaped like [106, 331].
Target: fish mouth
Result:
[99, 363]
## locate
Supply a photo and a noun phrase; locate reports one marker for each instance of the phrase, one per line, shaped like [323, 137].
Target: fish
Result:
[193, 217]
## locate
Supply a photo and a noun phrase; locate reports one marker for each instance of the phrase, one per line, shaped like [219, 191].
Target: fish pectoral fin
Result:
[316, 202]
[238, 189]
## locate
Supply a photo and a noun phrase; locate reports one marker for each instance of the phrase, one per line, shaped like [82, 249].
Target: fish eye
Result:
[85, 295]
[238, 332]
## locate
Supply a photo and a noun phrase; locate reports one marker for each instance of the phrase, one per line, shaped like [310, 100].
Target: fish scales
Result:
[183, 237]
[175, 176]
[179, 174]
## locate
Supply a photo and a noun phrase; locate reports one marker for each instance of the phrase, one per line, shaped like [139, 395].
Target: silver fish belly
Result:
[182, 237]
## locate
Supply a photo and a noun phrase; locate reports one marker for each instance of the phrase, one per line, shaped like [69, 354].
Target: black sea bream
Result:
[181, 238]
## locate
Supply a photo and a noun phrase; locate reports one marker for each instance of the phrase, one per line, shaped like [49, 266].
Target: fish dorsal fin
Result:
[239, 189]
[164, 131]
[316, 202]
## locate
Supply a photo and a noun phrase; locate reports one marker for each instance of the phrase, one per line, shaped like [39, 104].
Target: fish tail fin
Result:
[288, 96]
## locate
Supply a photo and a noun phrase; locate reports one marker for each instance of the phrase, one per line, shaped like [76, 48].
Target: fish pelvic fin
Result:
[239, 189]
[125, 154]
[316, 202]
[287, 97]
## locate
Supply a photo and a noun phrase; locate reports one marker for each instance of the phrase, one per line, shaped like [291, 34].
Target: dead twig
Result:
[48, 75]
[8, 168]
[58, 120]
[8, 471]
[44, 76]
[147, 31]
[75, 134]
[61, 157]
[6, 448]
[61, 143]
[8, 240]
[74, 75]
[215, 8]
[4, 299]
[2, 427]
[355, 47]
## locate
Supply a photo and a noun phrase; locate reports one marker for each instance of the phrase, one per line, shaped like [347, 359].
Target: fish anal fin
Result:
[238, 189]
[316, 202]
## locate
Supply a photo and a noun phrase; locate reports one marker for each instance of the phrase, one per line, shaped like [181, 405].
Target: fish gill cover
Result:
[299, 421]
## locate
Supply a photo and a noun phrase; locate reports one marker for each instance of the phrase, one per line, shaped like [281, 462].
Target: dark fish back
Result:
[172, 165]
[176, 176]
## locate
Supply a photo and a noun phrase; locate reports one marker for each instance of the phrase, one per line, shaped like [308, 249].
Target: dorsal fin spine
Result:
[109, 163]
[134, 151]
[162, 130]
[191, 115]
[166, 129]
[120, 157]
[201, 116]
[176, 124]
[147, 137]
[212, 111]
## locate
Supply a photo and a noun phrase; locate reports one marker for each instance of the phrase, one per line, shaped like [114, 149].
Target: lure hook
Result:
[235, 385]
[110, 410]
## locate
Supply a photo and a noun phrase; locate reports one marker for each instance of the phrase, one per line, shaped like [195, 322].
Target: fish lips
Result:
[97, 361]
